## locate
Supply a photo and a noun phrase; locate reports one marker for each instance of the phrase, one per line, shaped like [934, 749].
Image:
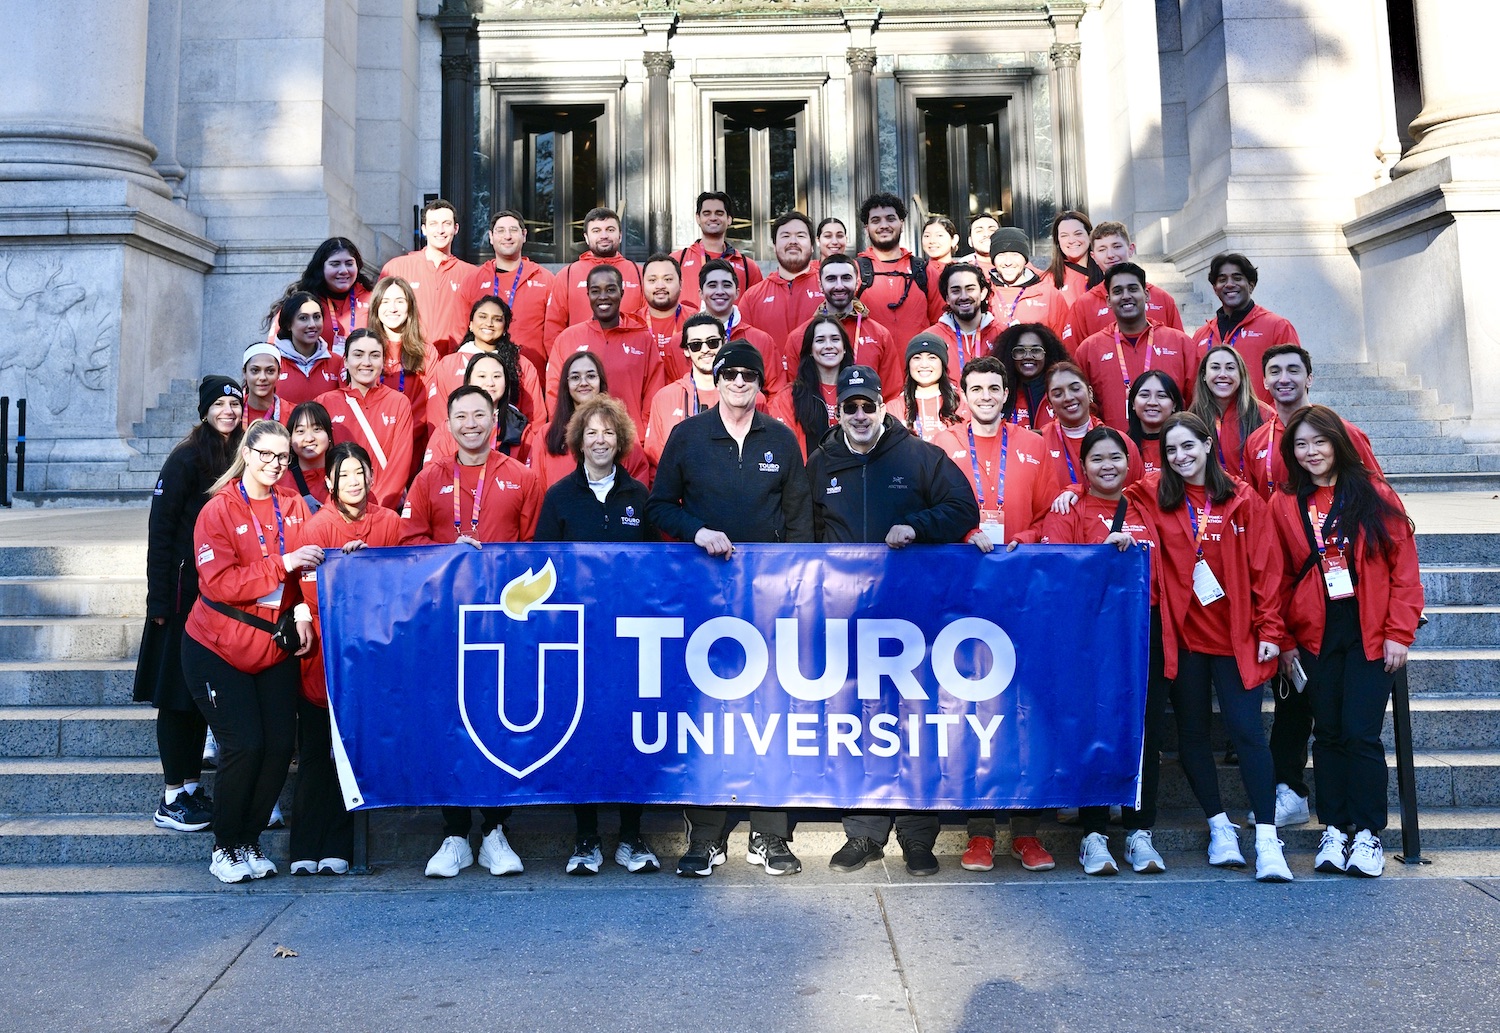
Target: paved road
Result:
[1192, 950]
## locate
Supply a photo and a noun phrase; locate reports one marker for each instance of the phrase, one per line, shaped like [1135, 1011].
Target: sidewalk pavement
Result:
[116, 949]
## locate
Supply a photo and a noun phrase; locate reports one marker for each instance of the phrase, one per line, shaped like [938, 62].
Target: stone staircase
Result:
[159, 431]
[79, 775]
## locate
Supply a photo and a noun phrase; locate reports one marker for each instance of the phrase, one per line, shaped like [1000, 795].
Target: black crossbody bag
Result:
[283, 632]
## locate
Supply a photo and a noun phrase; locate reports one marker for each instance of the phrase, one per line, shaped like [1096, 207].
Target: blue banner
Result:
[790, 675]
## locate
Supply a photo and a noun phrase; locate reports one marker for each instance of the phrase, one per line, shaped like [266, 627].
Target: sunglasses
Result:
[711, 343]
[863, 405]
[272, 458]
[749, 376]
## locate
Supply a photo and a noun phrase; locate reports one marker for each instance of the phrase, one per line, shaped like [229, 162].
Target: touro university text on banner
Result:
[804, 676]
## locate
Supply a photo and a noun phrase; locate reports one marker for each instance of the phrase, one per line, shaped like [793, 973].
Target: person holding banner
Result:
[1012, 489]
[374, 416]
[601, 502]
[312, 436]
[729, 475]
[237, 647]
[1221, 628]
[1105, 516]
[897, 489]
[322, 838]
[490, 498]
[1352, 626]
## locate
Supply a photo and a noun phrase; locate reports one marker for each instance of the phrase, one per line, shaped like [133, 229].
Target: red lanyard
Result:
[1120, 355]
[273, 413]
[1327, 526]
[1011, 315]
[478, 494]
[1200, 533]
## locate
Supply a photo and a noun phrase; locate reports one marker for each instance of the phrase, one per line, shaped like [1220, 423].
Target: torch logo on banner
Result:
[506, 649]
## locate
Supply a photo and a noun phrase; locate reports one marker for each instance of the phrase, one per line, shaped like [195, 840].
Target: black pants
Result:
[1022, 823]
[457, 820]
[1290, 729]
[1348, 695]
[1158, 689]
[254, 717]
[321, 826]
[910, 828]
[711, 822]
[1198, 677]
[587, 817]
[179, 740]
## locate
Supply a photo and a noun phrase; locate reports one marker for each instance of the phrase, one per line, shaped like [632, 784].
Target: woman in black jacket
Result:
[171, 588]
[600, 502]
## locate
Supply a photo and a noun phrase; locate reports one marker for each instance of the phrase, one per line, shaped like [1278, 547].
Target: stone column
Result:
[864, 155]
[1460, 97]
[457, 28]
[1067, 126]
[659, 66]
[163, 66]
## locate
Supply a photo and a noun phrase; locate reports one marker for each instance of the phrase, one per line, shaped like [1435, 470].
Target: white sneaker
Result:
[261, 866]
[304, 868]
[1224, 845]
[333, 866]
[277, 819]
[1333, 851]
[496, 855]
[1095, 857]
[587, 857]
[210, 750]
[229, 866]
[1291, 809]
[451, 858]
[1366, 855]
[636, 857]
[1141, 854]
[1270, 863]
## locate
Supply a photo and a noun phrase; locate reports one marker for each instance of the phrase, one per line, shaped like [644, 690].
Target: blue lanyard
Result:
[510, 299]
[1068, 455]
[962, 356]
[280, 536]
[1000, 466]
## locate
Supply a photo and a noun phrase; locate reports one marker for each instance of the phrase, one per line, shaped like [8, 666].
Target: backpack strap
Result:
[866, 273]
[1118, 523]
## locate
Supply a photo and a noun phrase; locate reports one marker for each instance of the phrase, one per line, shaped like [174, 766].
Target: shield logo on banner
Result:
[520, 673]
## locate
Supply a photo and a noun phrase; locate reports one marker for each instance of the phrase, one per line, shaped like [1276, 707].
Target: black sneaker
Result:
[772, 854]
[701, 857]
[920, 859]
[181, 814]
[855, 854]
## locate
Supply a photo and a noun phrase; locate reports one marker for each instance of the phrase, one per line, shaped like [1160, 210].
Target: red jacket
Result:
[873, 347]
[1033, 302]
[1088, 523]
[631, 361]
[340, 318]
[693, 258]
[919, 311]
[568, 298]
[328, 528]
[1258, 332]
[1090, 314]
[442, 292]
[946, 327]
[1389, 589]
[1171, 352]
[1263, 447]
[1062, 450]
[448, 376]
[673, 404]
[412, 385]
[1075, 285]
[1231, 448]
[508, 505]
[231, 570]
[777, 305]
[389, 415]
[1248, 569]
[280, 411]
[1029, 488]
[667, 333]
[527, 298]
[303, 380]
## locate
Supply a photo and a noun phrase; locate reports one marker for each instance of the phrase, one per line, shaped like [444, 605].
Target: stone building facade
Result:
[167, 166]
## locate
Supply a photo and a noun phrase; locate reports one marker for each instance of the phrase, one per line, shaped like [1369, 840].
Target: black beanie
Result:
[1009, 239]
[211, 388]
[925, 342]
[740, 355]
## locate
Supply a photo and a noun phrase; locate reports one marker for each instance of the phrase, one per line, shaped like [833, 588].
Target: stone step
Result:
[543, 836]
[1461, 585]
[72, 559]
[1327, 383]
[1409, 445]
[1458, 627]
[1429, 464]
[1485, 480]
[74, 683]
[114, 595]
[1454, 671]
[1439, 722]
[1451, 549]
[1377, 411]
[1359, 369]
[124, 731]
[1352, 398]
[130, 492]
[1445, 778]
[75, 638]
[1400, 429]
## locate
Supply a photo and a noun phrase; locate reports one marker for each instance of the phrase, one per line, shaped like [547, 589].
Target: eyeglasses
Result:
[749, 376]
[575, 378]
[272, 458]
[1022, 351]
[711, 343]
[863, 405]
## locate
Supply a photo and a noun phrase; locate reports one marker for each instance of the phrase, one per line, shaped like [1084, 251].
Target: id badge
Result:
[992, 523]
[271, 598]
[338, 345]
[1336, 578]
[1205, 585]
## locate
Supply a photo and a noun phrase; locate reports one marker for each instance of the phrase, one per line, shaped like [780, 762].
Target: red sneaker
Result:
[980, 856]
[1032, 855]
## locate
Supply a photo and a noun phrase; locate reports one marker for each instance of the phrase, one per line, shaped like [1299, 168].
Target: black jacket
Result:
[171, 575]
[571, 512]
[902, 480]
[704, 479]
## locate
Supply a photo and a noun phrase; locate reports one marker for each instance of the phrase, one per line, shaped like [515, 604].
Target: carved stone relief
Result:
[55, 340]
